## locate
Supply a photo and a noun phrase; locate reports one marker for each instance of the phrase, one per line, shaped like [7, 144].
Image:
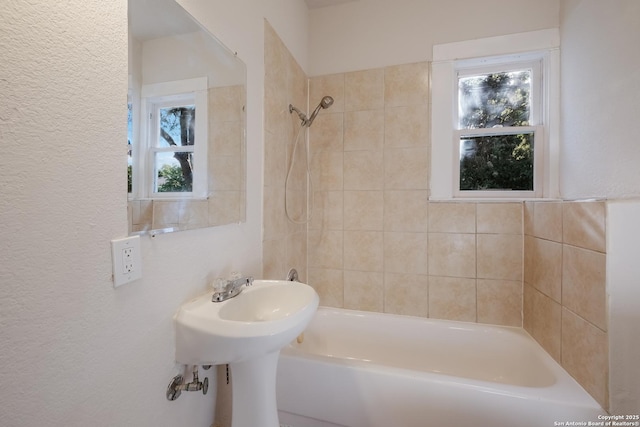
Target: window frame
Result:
[542, 45]
[157, 96]
[502, 64]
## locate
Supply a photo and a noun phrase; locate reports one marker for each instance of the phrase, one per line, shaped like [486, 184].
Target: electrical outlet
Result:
[127, 264]
[127, 260]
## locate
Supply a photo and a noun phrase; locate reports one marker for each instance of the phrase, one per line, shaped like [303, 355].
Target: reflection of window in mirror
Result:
[170, 160]
[172, 145]
[129, 144]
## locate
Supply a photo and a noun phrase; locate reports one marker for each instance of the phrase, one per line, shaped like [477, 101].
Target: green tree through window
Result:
[500, 160]
[176, 129]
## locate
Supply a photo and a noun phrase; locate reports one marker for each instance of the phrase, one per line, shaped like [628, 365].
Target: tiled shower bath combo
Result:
[377, 243]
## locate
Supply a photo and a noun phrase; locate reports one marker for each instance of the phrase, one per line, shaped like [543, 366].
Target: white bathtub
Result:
[361, 369]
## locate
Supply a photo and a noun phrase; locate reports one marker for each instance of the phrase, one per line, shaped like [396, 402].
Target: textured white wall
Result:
[73, 350]
[600, 153]
[376, 33]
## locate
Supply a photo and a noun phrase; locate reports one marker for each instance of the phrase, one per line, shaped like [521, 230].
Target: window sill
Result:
[167, 199]
[493, 199]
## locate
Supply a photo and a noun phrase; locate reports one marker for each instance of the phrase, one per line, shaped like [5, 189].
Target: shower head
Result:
[325, 103]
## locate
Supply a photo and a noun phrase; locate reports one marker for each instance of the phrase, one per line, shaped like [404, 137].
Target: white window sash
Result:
[504, 64]
[538, 155]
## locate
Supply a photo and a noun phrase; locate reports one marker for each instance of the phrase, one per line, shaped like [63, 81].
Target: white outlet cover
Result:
[122, 275]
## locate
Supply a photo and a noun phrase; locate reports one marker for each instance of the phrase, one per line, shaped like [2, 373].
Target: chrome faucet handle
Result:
[225, 289]
[220, 285]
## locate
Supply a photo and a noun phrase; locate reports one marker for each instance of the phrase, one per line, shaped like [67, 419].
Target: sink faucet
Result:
[226, 289]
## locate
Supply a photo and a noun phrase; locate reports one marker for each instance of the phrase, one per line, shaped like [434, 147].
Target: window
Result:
[172, 145]
[494, 117]
[170, 161]
[498, 129]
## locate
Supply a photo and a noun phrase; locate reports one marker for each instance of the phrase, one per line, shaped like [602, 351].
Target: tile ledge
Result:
[493, 200]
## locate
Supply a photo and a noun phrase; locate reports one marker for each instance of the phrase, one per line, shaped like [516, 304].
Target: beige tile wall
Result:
[227, 155]
[564, 288]
[284, 242]
[375, 242]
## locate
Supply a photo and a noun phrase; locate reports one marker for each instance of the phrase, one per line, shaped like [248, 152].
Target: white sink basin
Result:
[272, 300]
[262, 319]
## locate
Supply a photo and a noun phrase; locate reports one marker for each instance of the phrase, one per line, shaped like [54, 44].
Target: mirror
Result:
[186, 123]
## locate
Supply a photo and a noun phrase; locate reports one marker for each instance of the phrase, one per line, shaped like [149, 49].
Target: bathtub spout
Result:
[292, 276]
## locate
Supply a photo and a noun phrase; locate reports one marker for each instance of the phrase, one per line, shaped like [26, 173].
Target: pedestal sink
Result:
[247, 332]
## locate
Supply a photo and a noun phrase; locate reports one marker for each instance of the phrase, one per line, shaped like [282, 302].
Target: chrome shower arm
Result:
[301, 115]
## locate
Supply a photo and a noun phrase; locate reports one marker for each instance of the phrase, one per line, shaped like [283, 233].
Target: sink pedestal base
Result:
[254, 392]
